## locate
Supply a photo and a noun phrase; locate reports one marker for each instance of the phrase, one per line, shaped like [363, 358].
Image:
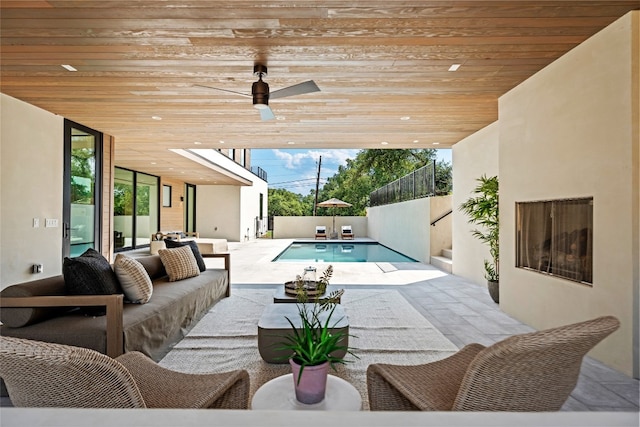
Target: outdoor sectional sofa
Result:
[151, 328]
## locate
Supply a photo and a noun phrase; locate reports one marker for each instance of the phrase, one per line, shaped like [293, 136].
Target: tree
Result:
[355, 181]
[284, 203]
[372, 169]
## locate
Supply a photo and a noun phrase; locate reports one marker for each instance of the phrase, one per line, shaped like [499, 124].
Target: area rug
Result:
[384, 328]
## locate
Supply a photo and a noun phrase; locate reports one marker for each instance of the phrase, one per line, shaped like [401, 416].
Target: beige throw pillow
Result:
[180, 263]
[134, 279]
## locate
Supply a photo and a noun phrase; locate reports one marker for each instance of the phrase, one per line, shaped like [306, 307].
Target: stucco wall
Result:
[218, 212]
[229, 211]
[297, 227]
[31, 140]
[250, 208]
[570, 131]
[473, 157]
[440, 236]
[404, 227]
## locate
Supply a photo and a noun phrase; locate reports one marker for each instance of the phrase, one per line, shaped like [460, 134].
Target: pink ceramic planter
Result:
[313, 382]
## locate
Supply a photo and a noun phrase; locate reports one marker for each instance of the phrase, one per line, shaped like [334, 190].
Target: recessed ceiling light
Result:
[291, 143]
[153, 163]
[454, 67]
[156, 117]
[405, 118]
[415, 141]
[436, 143]
[198, 143]
[384, 143]
[280, 117]
[68, 67]
[221, 142]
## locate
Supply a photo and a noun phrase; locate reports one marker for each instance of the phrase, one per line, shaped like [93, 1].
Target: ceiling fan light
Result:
[259, 106]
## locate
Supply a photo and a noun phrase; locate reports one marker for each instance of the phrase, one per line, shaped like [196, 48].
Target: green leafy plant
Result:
[313, 342]
[482, 210]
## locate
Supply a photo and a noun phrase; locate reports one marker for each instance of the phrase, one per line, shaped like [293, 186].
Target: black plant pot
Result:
[494, 290]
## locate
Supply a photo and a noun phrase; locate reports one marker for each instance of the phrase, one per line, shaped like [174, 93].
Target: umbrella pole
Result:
[334, 225]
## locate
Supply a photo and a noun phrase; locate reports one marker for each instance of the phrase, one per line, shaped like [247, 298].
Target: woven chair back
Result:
[39, 374]
[531, 372]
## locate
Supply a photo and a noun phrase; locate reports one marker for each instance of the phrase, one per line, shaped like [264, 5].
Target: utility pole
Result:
[315, 205]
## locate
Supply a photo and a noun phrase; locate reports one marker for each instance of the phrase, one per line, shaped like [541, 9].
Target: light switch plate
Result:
[51, 222]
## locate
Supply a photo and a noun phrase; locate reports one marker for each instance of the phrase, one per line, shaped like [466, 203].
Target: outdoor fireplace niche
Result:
[555, 237]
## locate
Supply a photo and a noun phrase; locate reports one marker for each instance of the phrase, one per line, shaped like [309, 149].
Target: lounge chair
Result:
[528, 372]
[39, 374]
[321, 232]
[346, 232]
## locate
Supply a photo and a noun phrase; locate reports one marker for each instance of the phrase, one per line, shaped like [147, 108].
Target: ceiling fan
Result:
[261, 95]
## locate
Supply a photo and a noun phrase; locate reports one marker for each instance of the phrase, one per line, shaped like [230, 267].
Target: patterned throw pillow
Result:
[90, 274]
[194, 247]
[180, 263]
[134, 279]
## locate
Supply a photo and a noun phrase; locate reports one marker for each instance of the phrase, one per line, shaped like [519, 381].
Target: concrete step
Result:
[447, 253]
[442, 263]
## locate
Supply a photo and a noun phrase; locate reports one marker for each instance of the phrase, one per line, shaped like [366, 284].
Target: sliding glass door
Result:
[136, 204]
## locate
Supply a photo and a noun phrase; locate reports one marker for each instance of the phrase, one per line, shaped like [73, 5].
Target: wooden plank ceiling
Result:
[382, 67]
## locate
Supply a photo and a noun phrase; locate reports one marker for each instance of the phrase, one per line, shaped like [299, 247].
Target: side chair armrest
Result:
[112, 303]
[227, 266]
[426, 387]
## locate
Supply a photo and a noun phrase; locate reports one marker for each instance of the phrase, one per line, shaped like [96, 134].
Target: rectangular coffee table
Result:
[273, 327]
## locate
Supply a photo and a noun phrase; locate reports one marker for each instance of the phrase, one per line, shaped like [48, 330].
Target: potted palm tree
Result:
[316, 344]
[482, 210]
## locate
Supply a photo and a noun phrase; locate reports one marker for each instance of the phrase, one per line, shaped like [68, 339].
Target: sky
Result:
[296, 170]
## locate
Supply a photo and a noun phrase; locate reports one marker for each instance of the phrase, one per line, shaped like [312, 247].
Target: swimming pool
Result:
[340, 252]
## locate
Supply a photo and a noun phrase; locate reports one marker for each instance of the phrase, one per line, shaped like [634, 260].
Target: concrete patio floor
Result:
[460, 309]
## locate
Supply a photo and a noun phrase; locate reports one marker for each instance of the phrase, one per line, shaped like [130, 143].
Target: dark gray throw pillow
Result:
[90, 274]
[194, 248]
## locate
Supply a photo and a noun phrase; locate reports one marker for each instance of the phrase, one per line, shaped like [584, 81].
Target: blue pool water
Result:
[340, 252]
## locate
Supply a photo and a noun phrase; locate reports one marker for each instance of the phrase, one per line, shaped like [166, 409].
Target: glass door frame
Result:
[66, 193]
[190, 207]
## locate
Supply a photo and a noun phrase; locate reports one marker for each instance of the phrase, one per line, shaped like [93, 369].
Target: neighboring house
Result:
[570, 131]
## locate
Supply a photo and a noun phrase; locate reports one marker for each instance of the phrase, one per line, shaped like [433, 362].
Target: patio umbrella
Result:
[334, 203]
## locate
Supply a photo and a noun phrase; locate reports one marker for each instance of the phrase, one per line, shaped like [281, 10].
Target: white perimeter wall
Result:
[298, 227]
[404, 227]
[472, 157]
[31, 160]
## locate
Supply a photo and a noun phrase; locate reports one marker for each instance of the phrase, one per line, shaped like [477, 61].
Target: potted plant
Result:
[482, 210]
[314, 344]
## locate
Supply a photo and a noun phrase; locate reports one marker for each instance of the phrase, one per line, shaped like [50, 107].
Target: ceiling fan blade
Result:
[225, 90]
[266, 113]
[299, 89]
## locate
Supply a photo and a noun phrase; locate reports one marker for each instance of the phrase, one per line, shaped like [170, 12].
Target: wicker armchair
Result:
[39, 374]
[529, 372]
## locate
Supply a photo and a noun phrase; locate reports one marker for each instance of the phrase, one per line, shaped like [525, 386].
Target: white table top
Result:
[278, 394]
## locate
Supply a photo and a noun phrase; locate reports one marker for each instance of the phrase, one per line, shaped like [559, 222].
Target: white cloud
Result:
[293, 160]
